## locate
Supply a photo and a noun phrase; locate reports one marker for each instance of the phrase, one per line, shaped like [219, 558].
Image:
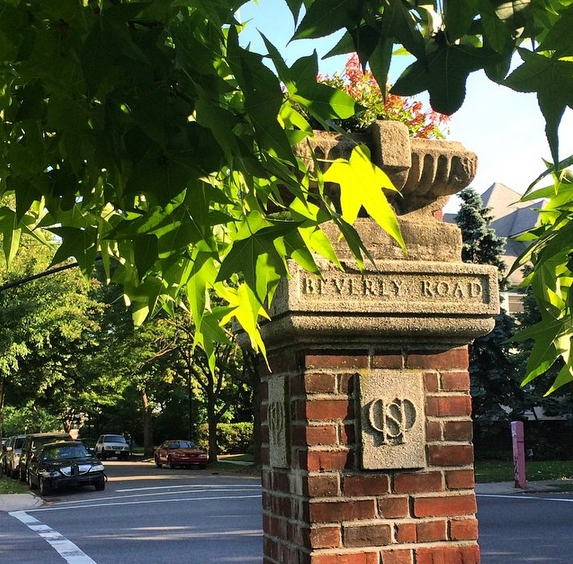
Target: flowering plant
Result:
[362, 86]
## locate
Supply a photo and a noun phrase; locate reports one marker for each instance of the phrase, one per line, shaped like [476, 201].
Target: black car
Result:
[62, 464]
[32, 445]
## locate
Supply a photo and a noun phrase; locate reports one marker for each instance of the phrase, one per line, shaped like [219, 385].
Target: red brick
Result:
[417, 483]
[365, 484]
[431, 382]
[458, 430]
[338, 511]
[284, 362]
[455, 381]
[336, 361]
[448, 406]
[360, 557]
[324, 460]
[460, 479]
[347, 434]
[298, 411]
[298, 534]
[321, 435]
[323, 485]
[448, 360]
[347, 384]
[464, 529]
[444, 506]
[373, 534]
[451, 455]
[265, 434]
[405, 533]
[320, 383]
[394, 507]
[431, 531]
[388, 361]
[329, 409]
[433, 430]
[325, 537]
[448, 555]
[399, 556]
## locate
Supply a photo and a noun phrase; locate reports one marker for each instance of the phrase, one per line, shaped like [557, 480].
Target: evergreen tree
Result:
[495, 385]
[481, 244]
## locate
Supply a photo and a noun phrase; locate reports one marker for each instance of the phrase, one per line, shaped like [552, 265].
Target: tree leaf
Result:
[559, 37]
[77, 243]
[324, 17]
[145, 252]
[361, 185]
[458, 18]
[550, 78]
[448, 69]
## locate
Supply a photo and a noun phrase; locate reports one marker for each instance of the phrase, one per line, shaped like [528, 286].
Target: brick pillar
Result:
[324, 509]
[366, 412]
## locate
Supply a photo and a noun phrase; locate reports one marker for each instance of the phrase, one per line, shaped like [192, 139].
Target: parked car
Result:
[65, 464]
[11, 455]
[89, 444]
[112, 445]
[175, 453]
[32, 445]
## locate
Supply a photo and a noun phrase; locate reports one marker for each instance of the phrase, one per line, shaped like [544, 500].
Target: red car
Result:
[175, 453]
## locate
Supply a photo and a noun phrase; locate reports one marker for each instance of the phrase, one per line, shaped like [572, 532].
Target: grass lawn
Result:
[502, 471]
[9, 486]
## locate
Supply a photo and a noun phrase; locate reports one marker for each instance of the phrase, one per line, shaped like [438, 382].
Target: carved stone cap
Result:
[410, 303]
[426, 171]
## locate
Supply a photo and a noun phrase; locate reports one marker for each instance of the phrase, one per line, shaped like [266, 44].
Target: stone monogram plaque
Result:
[277, 421]
[392, 420]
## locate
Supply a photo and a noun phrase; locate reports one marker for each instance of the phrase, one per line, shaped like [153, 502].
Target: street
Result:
[525, 528]
[156, 516]
[145, 514]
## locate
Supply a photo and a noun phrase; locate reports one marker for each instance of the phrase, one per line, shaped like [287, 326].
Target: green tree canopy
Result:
[144, 132]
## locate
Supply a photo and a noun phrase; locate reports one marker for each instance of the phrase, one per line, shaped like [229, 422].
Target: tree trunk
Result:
[2, 393]
[212, 420]
[190, 424]
[147, 425]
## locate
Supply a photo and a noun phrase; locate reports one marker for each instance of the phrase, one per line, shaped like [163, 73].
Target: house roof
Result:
[510, 219]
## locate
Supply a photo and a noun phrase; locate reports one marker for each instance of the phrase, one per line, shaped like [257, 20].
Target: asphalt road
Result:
[145, 515]
[154, 516]
[524, 528]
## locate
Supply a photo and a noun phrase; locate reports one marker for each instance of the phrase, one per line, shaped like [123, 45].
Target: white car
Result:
[112, 445]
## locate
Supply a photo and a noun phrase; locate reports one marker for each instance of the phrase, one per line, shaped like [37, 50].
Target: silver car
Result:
[11, 456]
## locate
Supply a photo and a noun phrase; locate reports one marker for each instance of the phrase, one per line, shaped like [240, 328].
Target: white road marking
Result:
[519, 496]
[139, 502]
[203, 487]
[65, 548]
[144, 493]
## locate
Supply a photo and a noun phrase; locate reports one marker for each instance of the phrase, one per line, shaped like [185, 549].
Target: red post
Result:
[518, 440]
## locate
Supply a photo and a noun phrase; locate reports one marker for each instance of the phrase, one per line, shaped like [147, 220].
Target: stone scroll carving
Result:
[277, 421]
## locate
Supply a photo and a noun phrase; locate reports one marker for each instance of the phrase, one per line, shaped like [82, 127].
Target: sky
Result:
[504, 128]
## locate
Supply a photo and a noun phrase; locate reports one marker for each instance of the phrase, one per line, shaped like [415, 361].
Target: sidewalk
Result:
[508, 488]
[19, 502]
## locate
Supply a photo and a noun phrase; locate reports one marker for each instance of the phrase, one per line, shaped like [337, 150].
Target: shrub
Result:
[232, 438]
